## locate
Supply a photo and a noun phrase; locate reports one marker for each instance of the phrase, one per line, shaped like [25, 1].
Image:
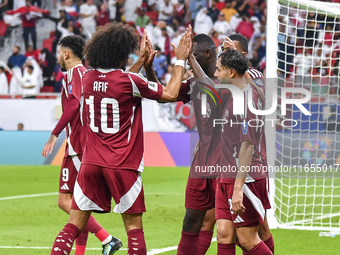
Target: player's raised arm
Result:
[170, 92]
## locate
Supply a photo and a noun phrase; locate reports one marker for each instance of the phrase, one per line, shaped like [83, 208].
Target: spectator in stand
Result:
[213, 12]
[311, 33]
[229, 10]
[131, 8]
[64, 24]
[166, 11]
[81, 32]
[222, 27]
[214, 36]
[16, 59]
[168, 75]
[160, 63]
[20, 127]
[187, 13]
[88, 13]
[195, 7]
[3, 82]
[304, 62]
[326, 39]
[112, 6]
[178, 35]
[254, 61]
[103, 16]
[242, 7]
[3, 7]
[120, 16]
[29, 82]
[245, 27]
[259, 42]
[48, 63]
[142, 19]
[29, 15]
[32, 53]
[203, 23]
[220, 4]
[163, 42]
[65, 31]
[59, 6]
[71, 10]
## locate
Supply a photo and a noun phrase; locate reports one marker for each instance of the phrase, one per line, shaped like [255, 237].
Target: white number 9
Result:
[65, 174]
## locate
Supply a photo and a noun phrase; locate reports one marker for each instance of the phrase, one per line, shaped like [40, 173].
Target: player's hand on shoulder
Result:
[49, 146]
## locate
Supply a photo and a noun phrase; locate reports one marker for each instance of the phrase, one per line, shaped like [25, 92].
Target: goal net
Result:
[307, 148]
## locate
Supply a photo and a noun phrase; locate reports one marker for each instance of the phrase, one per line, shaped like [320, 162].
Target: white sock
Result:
[107, 240]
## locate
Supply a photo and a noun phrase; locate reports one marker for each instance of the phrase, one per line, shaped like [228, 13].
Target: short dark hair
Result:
[30, 67]
[204, 41]
[242, 40]
[111, 45]
[234, 59]
[75, 43]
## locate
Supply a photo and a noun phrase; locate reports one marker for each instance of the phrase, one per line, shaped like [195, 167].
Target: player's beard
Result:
[62, 65]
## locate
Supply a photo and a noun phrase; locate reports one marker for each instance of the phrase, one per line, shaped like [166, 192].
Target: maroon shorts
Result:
[255, 200]
[68, 174]
[96, 185]
[200, 193]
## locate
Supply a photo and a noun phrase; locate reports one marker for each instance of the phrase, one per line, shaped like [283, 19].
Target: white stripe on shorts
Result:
[129, 197]
[254, 200]
[82, 201]
[76, 162]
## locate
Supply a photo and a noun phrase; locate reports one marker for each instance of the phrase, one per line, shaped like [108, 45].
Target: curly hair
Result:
[111, 45]
[234, 59]
[75, 43]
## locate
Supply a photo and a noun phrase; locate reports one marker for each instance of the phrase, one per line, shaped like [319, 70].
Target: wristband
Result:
[180, 63]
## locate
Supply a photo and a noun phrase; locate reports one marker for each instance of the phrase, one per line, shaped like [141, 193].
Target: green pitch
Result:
[35, 221]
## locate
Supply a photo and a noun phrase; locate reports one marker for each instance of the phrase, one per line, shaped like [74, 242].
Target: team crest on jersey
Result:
[258, 82]
[244, 126]
[70, 89]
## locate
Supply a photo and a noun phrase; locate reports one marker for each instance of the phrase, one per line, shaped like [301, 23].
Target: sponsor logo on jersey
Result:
[244, 128]
[259, 82]
[153, 86]
[70, 89]
[65, 187]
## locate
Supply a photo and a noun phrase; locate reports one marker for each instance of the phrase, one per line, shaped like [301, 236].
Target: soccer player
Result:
[241, 196]
[199, 219]
[240, 43]
[113, 154]
[70, 58]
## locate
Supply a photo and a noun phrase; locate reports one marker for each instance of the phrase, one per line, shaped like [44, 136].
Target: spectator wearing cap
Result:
[16, 59]
[222, 27]
[203, 23]
[29, 15]
[213, 12]
[195, 7]
[88, 13]
[229, 10]
[142, 19]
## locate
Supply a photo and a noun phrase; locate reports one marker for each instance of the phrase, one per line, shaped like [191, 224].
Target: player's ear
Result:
[208, 53]
[245, 53]
[66, 54]
[232, 72]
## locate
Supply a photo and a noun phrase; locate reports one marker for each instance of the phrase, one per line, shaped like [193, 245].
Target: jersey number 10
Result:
[103, 115]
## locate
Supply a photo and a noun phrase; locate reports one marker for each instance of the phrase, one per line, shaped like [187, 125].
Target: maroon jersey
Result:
[240, 128]
[72, 87]
[209, 146]
[113, 117]
[258, 79]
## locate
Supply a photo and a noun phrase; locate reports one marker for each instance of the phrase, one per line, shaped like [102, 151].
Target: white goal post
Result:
[303, 51]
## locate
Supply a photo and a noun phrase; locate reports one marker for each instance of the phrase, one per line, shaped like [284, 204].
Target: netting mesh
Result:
[307, 191]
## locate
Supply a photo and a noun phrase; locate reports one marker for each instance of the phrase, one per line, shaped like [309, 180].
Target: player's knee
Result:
[191, 223]
[225, 234]
[248, 243]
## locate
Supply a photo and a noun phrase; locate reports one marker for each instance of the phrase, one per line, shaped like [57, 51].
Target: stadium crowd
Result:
[164, 20]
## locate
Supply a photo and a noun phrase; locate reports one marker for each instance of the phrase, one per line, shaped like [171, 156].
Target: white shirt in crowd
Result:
[223, 28]
[64, 31]
[29, 80]
[203, 23]
[3, 84]
[87, 10]
[18, 3]
[130, 8]
[112, 9]
[167, 9]
[303, 63]
[177, 38]
[15, 85]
